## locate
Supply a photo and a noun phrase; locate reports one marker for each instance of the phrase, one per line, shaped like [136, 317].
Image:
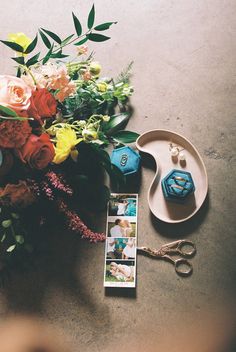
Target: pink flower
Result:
[66, 91]
[87, 76]
[82, 49]
[58, 79]
[15, 94]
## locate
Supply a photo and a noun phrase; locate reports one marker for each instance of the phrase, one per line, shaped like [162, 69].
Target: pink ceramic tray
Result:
[156, 143]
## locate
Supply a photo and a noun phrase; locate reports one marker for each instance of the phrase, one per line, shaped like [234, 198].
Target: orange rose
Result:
[14, 94]
[38, 152]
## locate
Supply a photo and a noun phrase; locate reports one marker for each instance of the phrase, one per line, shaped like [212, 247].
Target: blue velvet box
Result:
[177, 186]
[126, 159]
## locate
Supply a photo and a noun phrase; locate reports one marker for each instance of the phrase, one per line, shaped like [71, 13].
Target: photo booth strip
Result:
[121, 241]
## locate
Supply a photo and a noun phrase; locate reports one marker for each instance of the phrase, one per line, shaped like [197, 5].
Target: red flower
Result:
[17, 195]
[13, 134]
[42, 104]
[38, 152]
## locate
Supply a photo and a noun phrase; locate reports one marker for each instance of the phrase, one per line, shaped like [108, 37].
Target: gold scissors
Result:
[182, 248]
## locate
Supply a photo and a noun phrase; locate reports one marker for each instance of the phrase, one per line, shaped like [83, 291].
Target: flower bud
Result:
[89, 134]
[95, 68]
[106, 118]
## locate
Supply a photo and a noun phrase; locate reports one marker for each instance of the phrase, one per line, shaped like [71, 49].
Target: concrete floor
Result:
[184, 79]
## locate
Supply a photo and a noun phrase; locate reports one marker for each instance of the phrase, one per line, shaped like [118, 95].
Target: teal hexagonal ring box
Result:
[177, 186]
[126, 159]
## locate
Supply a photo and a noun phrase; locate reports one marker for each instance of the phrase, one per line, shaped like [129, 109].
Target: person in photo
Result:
[126, 228]
[122, 272]
[130, 250]
[122, 205]
[117, 229]
[111, 242]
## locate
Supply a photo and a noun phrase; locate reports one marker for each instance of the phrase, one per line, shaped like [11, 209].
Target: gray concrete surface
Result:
[184, 79]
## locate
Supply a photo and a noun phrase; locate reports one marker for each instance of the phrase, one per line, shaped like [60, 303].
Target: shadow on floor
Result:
[182, 229]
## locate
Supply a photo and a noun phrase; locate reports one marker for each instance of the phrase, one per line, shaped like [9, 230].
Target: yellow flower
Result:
[19, 38]
[102, 87]
[65, 146]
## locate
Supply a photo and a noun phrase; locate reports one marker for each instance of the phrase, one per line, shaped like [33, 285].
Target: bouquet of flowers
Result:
[57, 117]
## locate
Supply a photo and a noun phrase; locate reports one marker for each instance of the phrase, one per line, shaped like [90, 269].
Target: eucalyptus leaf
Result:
[52, 35]
[20, 60]
[77, 25]
[94, 37]
[33, 60]
[125, 136]
[13, 46]
[91, 17]
[45, 39]
[104, 26]
[31, 46]
[8, 111]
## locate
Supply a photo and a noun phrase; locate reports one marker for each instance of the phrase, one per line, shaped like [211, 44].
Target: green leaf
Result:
[104, 26]
[20, 60]
[6, 223]
[54, 36]
[67, 39]
[58, 55]
[48, 55]
[11, 248]
[32, 45]
[15, 216]
[3, 237]
[45, 39]
[13, 46]
[91, 17]
[125, 136]
[82, 41]
[8, 111]
[20, 239]
[77, 25]
[115, 122]
[18, 72]
[94, 37]
[33, 60]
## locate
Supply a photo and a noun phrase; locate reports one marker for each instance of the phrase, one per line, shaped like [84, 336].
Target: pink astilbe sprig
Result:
[58, 182]
[49, 185]
[46, 190]
[76, 225]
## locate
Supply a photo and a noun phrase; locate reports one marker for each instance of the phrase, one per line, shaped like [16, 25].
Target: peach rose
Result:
[15, 94]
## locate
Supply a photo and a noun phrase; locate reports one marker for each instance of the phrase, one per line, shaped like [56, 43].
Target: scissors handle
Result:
[179, 247]
[182, 248]
[183, 267]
